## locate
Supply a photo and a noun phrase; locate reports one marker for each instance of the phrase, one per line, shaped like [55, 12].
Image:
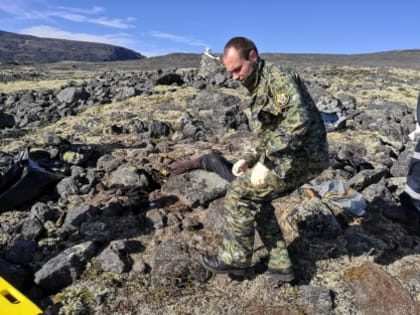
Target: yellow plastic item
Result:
[13, 302]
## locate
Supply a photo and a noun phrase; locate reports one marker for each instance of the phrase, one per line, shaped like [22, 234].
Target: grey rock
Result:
[128, 175]
[367, 177]
[174, 266]
[72, 94]
[21, 252]
[114, 260]
[78, 215]
[157, 218]
[31, 229]
[315, 300]
[95, 231]
[65, 268]
[197, 187]
[6, 120]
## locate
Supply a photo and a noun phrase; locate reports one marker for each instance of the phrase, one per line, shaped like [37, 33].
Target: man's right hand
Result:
[239, 167]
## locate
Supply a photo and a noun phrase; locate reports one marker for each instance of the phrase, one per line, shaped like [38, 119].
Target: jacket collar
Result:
[251, 82]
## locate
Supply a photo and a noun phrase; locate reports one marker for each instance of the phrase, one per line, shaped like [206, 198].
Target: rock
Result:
[305, 219]
[157, 218]
[128, 175]
[72, 94]
[174, 266]
[6, 120]
[78, 215]
[65, 268]
[114, 260]
[22, 252]
[376, 292]
[315, 300]
[197, 187]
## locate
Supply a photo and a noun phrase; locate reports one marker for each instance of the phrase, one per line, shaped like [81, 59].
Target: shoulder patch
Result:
[282, 98]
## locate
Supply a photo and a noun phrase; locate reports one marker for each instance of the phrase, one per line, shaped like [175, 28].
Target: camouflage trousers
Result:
[248, 209]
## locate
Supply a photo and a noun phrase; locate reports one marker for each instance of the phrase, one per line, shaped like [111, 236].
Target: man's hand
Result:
[239, 167]
[415, 134]
[259, 174]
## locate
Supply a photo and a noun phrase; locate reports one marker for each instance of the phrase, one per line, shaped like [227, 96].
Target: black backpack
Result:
[24, 180]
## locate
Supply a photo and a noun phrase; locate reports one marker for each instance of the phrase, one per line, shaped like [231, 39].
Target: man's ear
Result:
[253, 56]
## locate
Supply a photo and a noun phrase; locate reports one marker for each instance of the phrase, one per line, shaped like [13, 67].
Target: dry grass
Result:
[169, 107]
[361, 85]
[35, 85]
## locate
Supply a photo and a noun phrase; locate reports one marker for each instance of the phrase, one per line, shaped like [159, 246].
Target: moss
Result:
[355, 274]
[83, 294]
[93, 269]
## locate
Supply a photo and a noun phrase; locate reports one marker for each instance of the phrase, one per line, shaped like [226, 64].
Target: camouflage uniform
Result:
[291, 143]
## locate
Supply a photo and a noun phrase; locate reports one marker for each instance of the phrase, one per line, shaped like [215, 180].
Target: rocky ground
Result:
[116, 233]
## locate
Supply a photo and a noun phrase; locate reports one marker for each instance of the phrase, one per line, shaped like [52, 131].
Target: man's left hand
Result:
[259, 174]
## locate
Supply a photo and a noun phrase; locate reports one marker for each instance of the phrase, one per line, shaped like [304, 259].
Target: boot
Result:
[218, 164]
[185, 166]
[216, 265]
[276, 278]
[281, 275]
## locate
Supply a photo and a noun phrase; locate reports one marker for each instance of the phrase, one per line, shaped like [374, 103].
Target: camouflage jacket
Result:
[288, 127]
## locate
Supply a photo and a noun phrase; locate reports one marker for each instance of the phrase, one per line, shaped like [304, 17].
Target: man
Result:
[290, 149]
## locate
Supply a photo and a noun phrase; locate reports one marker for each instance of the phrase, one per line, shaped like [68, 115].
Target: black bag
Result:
[23, 181]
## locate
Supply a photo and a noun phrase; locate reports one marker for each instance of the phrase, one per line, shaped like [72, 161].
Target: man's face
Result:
[240, 68]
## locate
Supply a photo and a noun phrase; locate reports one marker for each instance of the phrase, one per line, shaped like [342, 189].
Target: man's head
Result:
[240, 56]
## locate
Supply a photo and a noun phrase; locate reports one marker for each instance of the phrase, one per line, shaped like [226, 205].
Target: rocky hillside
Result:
[115, 232]
[25, 49]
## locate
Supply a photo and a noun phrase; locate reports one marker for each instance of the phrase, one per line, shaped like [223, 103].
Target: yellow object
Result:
[164, 172]
[13, 302]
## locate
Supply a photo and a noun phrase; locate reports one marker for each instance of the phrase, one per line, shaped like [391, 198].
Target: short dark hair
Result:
[242, 45]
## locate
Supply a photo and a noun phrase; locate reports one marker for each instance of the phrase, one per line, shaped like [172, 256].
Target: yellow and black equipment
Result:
[13, 302]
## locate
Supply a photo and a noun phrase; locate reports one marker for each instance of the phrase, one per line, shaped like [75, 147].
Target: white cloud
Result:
[120, 39]
[68, 16]
[94, 10]
[115, 23]
[179, 39]
[78, 15]
[11, 8]
[104, 21]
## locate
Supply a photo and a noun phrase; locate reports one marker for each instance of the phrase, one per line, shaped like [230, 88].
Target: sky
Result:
[155, 28]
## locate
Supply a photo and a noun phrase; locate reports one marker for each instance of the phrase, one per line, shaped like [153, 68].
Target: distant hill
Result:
[17, 48]
[408, 58]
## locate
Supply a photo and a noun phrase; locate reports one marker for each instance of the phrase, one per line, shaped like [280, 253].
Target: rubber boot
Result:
[185, 166]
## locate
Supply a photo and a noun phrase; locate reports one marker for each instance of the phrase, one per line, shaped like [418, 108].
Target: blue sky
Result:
[161, 27]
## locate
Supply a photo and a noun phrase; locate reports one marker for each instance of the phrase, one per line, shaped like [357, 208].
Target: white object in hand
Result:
[259, 174]
[239, 167]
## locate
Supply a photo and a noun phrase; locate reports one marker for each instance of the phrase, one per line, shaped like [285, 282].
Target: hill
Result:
[16, 48]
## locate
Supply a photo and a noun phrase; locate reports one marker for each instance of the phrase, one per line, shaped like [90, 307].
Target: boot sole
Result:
[286, 276]
[233, 271]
